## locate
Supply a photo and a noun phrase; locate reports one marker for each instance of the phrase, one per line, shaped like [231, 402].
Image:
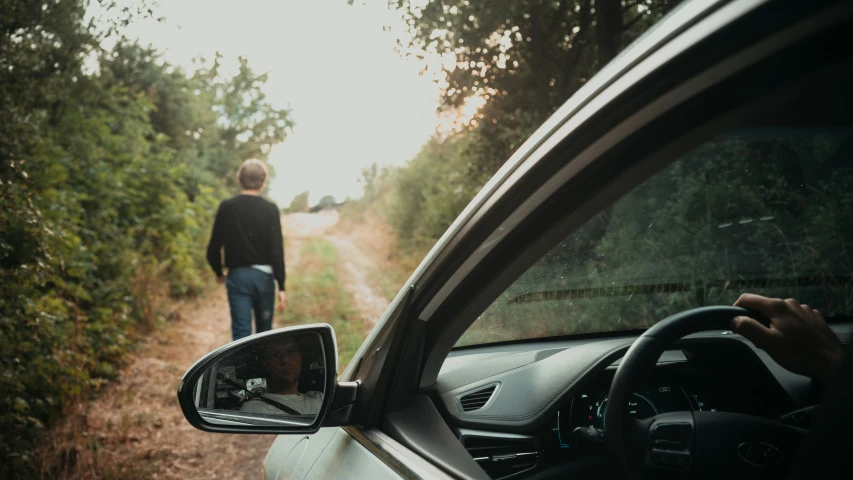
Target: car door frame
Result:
[513, 220]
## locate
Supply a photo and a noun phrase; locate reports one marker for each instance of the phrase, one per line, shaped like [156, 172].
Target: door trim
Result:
[406, 463]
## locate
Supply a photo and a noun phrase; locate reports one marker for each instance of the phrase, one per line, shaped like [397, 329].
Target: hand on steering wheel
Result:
[797, 337]
[710, 444]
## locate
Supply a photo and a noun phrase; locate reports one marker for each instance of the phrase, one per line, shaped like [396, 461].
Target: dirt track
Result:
[356, 265]
[136, 426]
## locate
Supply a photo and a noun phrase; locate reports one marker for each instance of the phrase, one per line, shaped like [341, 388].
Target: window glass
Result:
[760, 209]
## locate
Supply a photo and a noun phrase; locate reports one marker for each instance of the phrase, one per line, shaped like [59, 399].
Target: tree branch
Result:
[635, 20]
[632, 5]
[561, 12]
[577, 57]
[584, 27]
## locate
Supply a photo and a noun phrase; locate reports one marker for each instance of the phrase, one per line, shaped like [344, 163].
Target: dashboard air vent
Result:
[477, 399]
[502, 458]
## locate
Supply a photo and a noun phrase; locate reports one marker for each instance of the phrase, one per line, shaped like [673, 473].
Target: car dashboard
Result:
[515, 407]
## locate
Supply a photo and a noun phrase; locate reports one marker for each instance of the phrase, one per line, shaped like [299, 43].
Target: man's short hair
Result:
[252, 174]
[273, 348]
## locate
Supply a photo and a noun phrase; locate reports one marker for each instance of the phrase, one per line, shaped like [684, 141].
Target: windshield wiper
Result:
[699, 287]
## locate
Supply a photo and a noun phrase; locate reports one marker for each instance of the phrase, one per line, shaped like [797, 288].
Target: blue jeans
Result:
[250, 290]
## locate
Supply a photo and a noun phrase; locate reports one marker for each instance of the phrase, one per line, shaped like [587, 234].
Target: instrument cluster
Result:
[587, 409]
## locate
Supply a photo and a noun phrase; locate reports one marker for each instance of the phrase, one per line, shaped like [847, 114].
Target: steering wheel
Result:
[695, 444]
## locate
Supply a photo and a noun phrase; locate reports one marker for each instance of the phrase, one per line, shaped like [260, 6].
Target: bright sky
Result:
[354, 100]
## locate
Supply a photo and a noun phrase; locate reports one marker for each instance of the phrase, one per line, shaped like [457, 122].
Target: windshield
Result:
[764, 210]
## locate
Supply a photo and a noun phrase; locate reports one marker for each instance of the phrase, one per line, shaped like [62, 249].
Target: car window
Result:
[763, 209]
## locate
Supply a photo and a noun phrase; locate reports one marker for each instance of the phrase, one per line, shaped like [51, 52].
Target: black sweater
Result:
[249, 228]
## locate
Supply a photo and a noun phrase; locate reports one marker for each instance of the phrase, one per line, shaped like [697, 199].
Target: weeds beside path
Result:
[335, 282]
[316, 294]
[136, 430]
[358, 268]
[386, 268]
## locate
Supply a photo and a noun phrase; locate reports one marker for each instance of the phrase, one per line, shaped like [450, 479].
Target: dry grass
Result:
[316, 294]
[374, 237]
[135, 428]
[150, 295]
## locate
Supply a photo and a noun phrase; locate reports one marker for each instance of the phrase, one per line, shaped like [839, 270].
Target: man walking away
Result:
[249, 227]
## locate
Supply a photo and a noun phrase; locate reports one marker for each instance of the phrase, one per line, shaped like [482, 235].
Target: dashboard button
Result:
[670, 444]
[672, 432]
[674, 428]
[672, 460]
[760, 454]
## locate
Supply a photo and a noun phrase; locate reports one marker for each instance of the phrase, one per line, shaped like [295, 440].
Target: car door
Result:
[707, 67]
[330, 453]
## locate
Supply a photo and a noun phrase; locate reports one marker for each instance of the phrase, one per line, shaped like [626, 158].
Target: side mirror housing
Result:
[277, 382]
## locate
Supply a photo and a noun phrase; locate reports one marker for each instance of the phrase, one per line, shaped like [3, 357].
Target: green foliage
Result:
[108, 182]
[317, 295]
[211, 122]
[421, 199]
[326, 201]
[524, 58]
[299, 203]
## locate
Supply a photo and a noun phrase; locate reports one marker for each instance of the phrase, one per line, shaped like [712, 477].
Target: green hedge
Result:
[109, 177]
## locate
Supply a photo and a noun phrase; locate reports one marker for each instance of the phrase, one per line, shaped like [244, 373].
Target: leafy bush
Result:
[421, 199]
[108, 183]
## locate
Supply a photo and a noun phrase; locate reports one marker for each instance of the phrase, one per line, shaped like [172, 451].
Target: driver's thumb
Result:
[752, 330]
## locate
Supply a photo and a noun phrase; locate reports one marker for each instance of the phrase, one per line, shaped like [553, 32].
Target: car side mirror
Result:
[277, 382]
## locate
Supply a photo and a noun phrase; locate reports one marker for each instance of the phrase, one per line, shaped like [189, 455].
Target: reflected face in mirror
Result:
[283, 362]
[284, 365]
[282, 377]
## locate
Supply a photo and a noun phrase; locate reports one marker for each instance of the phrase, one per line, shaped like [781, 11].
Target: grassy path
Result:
[317, 294]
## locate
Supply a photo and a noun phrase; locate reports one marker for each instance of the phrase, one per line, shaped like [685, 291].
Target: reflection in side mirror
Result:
[276, 381]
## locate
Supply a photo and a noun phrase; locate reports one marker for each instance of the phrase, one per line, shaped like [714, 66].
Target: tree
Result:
[212, 122]
[248, 124]
[327, 201]
[524, 57]
[299, 203]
